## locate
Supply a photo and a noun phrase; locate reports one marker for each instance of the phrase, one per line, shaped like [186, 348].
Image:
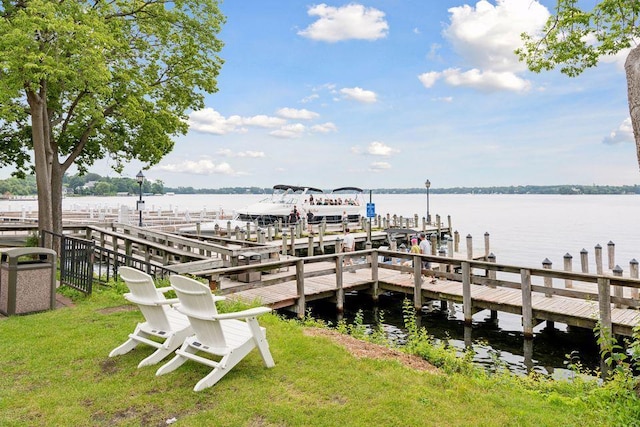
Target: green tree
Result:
[83, 80]
[575, 39]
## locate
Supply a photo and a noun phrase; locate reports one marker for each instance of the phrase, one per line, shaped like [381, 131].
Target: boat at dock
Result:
[288, 203]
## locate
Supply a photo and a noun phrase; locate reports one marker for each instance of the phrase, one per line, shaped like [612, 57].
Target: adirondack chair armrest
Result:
[252, 312]
[168, 301]
[164, 289]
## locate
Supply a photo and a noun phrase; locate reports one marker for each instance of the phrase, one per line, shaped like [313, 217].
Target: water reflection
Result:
[495, 338]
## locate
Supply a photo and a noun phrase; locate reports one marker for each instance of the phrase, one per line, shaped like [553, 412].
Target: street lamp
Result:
[140, 179]
[427, 184]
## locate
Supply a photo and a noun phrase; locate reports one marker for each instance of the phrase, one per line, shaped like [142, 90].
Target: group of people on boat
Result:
[333, 202]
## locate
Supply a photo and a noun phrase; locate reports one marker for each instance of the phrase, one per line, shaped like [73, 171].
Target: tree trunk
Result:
[632, 69]
[43, 174]
[56, 200]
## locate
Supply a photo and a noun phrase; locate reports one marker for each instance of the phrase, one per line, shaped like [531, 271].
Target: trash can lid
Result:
[18, 252]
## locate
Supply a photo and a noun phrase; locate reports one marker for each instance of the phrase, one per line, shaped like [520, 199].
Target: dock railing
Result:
[603, 289]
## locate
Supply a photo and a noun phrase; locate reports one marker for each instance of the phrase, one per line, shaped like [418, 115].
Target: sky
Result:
[390, 93]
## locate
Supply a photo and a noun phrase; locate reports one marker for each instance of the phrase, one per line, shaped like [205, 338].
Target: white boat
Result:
[289, 202]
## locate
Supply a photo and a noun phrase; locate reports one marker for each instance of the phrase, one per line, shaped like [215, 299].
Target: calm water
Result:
[524, 230]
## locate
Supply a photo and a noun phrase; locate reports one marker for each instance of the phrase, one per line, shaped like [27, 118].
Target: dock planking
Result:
[579, 306]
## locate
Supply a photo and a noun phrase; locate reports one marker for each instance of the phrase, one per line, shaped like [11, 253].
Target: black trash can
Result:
[27, 280]
[249, 258]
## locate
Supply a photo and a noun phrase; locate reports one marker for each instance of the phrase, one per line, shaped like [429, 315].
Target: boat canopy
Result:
[359, 190]
[295, 188]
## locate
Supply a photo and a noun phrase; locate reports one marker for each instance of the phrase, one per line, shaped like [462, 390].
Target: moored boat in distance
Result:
[289, 203]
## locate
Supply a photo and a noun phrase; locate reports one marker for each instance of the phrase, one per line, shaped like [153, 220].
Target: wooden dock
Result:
[291, 283]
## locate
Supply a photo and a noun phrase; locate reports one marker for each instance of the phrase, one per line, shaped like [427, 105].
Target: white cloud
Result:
[292, 113]
[429, 79]
[324, 128]
[444, 99]
[225, 152]
[485, 37]
[624, 133]
[310, 98]
[359, 94]
[353, 21]
[488, 80]
[379, 166]
[209, 120]
[200, 167]
[289, 131]
[377, 148]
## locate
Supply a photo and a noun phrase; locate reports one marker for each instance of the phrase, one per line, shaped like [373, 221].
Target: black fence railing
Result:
[76, 260]
[83, 263]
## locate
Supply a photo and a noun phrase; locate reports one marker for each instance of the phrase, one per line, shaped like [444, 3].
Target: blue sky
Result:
[389, 93]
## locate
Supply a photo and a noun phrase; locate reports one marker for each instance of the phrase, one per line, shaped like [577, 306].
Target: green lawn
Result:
[54, 371]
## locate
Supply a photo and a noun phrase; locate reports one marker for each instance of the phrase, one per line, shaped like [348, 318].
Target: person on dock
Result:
[425, 248]
[309, 221]
[348, 245]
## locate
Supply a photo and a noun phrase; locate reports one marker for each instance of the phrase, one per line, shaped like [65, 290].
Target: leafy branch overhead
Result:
[85, 80]
[574, 39]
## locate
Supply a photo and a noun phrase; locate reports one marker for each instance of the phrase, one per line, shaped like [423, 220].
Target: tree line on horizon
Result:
[92, 184]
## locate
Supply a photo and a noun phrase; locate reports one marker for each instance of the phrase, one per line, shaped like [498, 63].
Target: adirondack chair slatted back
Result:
[196, 302]
[145, 294]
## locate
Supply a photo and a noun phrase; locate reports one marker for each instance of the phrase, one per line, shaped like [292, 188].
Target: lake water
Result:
[524, 230]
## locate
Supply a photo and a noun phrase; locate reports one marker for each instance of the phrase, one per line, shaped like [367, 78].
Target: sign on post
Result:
[371, 210]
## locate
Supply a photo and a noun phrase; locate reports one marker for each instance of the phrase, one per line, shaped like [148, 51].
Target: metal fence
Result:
[83, 263]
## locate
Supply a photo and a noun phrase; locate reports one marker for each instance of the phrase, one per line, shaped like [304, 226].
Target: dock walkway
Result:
[291, 283]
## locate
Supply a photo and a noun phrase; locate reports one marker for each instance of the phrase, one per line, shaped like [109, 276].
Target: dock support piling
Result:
[417, 282]
[339, 285]
[301, 309]
[466, 293]
[584, 260]
[567, 267]
[617, 290]
[611, 254]
[374, 276]
[548, 281]
[469, 246]
[633, 272]
[598, 256]
[487, 246]
[527, 309]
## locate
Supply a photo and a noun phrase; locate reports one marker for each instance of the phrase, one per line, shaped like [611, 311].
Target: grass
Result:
[54, 370]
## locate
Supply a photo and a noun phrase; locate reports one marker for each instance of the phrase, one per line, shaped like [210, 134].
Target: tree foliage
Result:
[85, 80]
[576, 39]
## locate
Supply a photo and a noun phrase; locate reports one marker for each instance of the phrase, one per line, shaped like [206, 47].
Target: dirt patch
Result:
[117, 309]
[361, 349]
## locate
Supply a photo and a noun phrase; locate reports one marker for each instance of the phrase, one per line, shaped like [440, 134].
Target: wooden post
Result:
[310, 247]
[568, 283]
[633, 272]
[374, 275]
[237, 233]
[584, 260]
[415, 220]
[527, 309]
[401, 221]
[293, 240]
[339, 285]
[321, 239]
[456, 241]
[466, 293]
[300, 288]
[491, 274]
[269, 233]
[604, 304]
[417, 282]
[424, 224]
[618, 290]
[439, 225]
[611, 254]
[449, 224]
[433, 239]
[486, 245]
[216, 229]
[229, 229]
[284, 244]
[548, 281]
[469, 246]
[393, 246]
[598, 256]
[249, 231]
[261, 237]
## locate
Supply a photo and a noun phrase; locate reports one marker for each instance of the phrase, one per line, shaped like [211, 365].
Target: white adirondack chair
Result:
[218, 335]
[164, 328]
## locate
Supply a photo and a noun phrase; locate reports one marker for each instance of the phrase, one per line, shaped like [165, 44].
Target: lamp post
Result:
[140, 179]
[427, 184]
